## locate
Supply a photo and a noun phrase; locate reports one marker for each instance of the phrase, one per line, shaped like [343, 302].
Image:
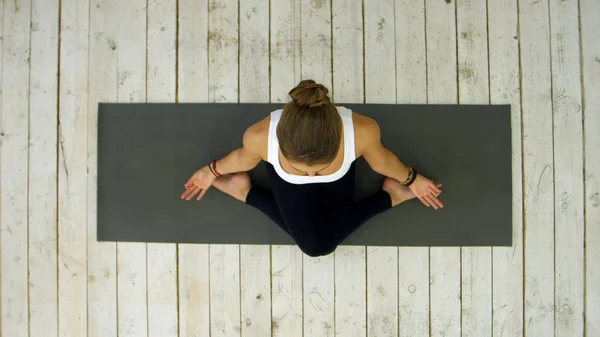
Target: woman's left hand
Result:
[427, 191]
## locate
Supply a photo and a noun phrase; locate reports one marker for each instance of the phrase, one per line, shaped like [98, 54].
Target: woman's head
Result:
[310, 129]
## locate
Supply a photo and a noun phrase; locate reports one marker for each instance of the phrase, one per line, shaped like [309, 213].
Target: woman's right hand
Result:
[200, 182]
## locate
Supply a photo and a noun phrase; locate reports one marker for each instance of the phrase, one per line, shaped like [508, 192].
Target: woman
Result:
[310, 147]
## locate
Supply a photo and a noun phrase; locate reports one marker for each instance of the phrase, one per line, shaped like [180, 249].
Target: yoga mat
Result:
[147, 151]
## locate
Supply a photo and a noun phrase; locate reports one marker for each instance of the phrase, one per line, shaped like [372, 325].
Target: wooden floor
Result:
[59, 58]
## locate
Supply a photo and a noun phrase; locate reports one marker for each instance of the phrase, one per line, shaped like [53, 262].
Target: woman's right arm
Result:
[253, 150]
[245, 158]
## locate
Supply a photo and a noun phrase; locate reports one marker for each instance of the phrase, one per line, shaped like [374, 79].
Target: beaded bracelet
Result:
[213, 169]
[412, 175]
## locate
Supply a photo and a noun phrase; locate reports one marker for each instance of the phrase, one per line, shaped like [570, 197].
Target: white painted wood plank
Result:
[348, 49]
[411, 62]
[162, 290]
[285, 48]
[255, 260]
[286, 291]
[223, 50]
[43, 112]
[162, 36]
[14, 169]
[318, 273]
[471, 24]
[590, 49]
[318, 296]
[473, 85]
[315, 21]
[194, 299]
[440, 30]
[131, 290]
[223, 36]
[72, 166]
[444, 292]
[442, 88]
[350, 291]
[254, 51]
[162, 257]
[101, 256]
[286, 261]
[507, 292]
[538, 168]
[380, 67]
[224, 290]
[348, 77]
[568, 169]
[255, 276]
[380, 87]
[193, 52]
[411, 88]
[382, 291]
[131, 87]
[413, 291]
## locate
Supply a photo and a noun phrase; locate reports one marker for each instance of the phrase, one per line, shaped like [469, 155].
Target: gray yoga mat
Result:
[146, 152]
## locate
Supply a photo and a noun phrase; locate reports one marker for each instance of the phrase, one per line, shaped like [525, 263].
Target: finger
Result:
[439, 202]
[187, 192]
[436, 201]
[424, 202]
[429, 199]
[194, 191]
[435, 186]
[434, 191]
[202, 193]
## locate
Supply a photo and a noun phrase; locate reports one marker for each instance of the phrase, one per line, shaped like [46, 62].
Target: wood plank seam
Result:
[331, 94]
[209, 262]
[28, 168]
[553, 161]
[524, 235]
[364, 59]
[427, 102]
[366, 273]
[146, 245]
[58, 150]
[583, 130]
[522, 131]
[489, 81]
[177, 266]
[2, 135]
[460, 251]
[270, 100]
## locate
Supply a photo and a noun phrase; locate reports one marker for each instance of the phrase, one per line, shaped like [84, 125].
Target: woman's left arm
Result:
[385, 162]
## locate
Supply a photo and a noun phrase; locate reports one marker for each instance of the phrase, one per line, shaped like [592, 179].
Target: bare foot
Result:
[236, 185]
[398, 192]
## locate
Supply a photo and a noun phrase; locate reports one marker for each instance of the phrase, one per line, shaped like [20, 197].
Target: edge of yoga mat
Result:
[146, 151]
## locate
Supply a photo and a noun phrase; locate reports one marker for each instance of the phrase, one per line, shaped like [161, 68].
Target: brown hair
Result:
[310, 129]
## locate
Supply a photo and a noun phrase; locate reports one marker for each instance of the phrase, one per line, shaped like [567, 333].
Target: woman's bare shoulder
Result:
[256, 137]
[366, 133]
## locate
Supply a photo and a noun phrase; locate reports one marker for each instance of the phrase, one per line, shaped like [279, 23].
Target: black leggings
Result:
[317, 216]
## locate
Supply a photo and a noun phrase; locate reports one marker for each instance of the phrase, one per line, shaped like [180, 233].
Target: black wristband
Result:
[412, 175]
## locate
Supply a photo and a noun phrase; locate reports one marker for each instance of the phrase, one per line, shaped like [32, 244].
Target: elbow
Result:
[380, 166]
[383, 163]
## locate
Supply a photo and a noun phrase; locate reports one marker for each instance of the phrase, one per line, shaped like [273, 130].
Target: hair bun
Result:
[309, 94]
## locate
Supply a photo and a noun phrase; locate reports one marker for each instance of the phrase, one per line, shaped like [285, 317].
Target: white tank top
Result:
[349, 151]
